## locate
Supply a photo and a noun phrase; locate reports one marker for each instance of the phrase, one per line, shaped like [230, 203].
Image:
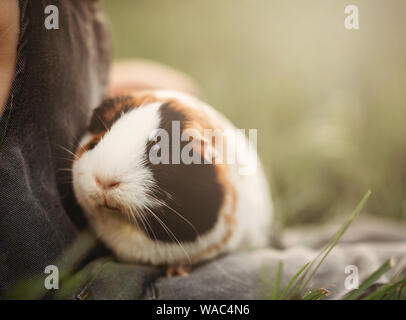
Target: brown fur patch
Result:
[110, 110]
[113, 108]
[191, 192]
[201, 122]
[90, 145]
[228, 215]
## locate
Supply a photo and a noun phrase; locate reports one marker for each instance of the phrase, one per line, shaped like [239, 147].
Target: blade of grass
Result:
[285, 290]
[402, 292]
[316, 295]
[354, 294]
[325, 252]
[302, 282]
[385, 290]
[277, 282]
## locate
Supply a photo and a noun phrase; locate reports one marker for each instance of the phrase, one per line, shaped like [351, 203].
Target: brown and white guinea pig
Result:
[172, 214]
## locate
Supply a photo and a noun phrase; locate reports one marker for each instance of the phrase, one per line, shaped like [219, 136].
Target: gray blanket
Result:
[250, 275]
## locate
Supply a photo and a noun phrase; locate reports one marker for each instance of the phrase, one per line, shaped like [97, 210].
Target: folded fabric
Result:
[250, 275]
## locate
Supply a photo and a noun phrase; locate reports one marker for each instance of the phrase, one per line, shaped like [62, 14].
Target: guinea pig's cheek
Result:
[81, 185]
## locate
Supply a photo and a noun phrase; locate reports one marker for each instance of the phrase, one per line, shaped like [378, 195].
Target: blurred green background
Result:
[328, 103]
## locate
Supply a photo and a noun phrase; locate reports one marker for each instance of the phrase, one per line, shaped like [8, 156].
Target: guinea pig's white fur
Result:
[119, 157]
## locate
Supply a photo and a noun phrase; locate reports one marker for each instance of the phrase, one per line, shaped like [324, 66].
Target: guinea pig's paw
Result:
[174, 271]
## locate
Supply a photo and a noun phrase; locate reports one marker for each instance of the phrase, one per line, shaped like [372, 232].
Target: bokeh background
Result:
[329, 104]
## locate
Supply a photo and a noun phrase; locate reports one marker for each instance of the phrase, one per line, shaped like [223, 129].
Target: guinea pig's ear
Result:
[109, 112]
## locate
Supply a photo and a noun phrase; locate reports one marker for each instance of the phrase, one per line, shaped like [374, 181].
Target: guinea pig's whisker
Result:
[148, 223]
[169, 196]
[101, 120]
[128, 216]
[160, 189]
[167, 229]
[179, 215]
[163, 225]
[64, 169]
[128, 213]
[143, 221]
[68, 151]
[131, 215]
[75, 138]
[66, 159]
[143, 218]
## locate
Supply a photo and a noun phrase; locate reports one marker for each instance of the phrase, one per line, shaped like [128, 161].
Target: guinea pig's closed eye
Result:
[91, 145]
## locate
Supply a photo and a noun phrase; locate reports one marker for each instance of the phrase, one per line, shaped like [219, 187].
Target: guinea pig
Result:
[157, 188]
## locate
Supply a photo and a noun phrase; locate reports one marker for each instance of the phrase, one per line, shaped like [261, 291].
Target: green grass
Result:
[298, 286]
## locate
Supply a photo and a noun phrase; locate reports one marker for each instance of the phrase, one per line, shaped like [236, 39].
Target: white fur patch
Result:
[119, 156]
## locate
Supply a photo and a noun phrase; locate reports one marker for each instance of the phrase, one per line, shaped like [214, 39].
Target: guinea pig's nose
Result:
[106, 184]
